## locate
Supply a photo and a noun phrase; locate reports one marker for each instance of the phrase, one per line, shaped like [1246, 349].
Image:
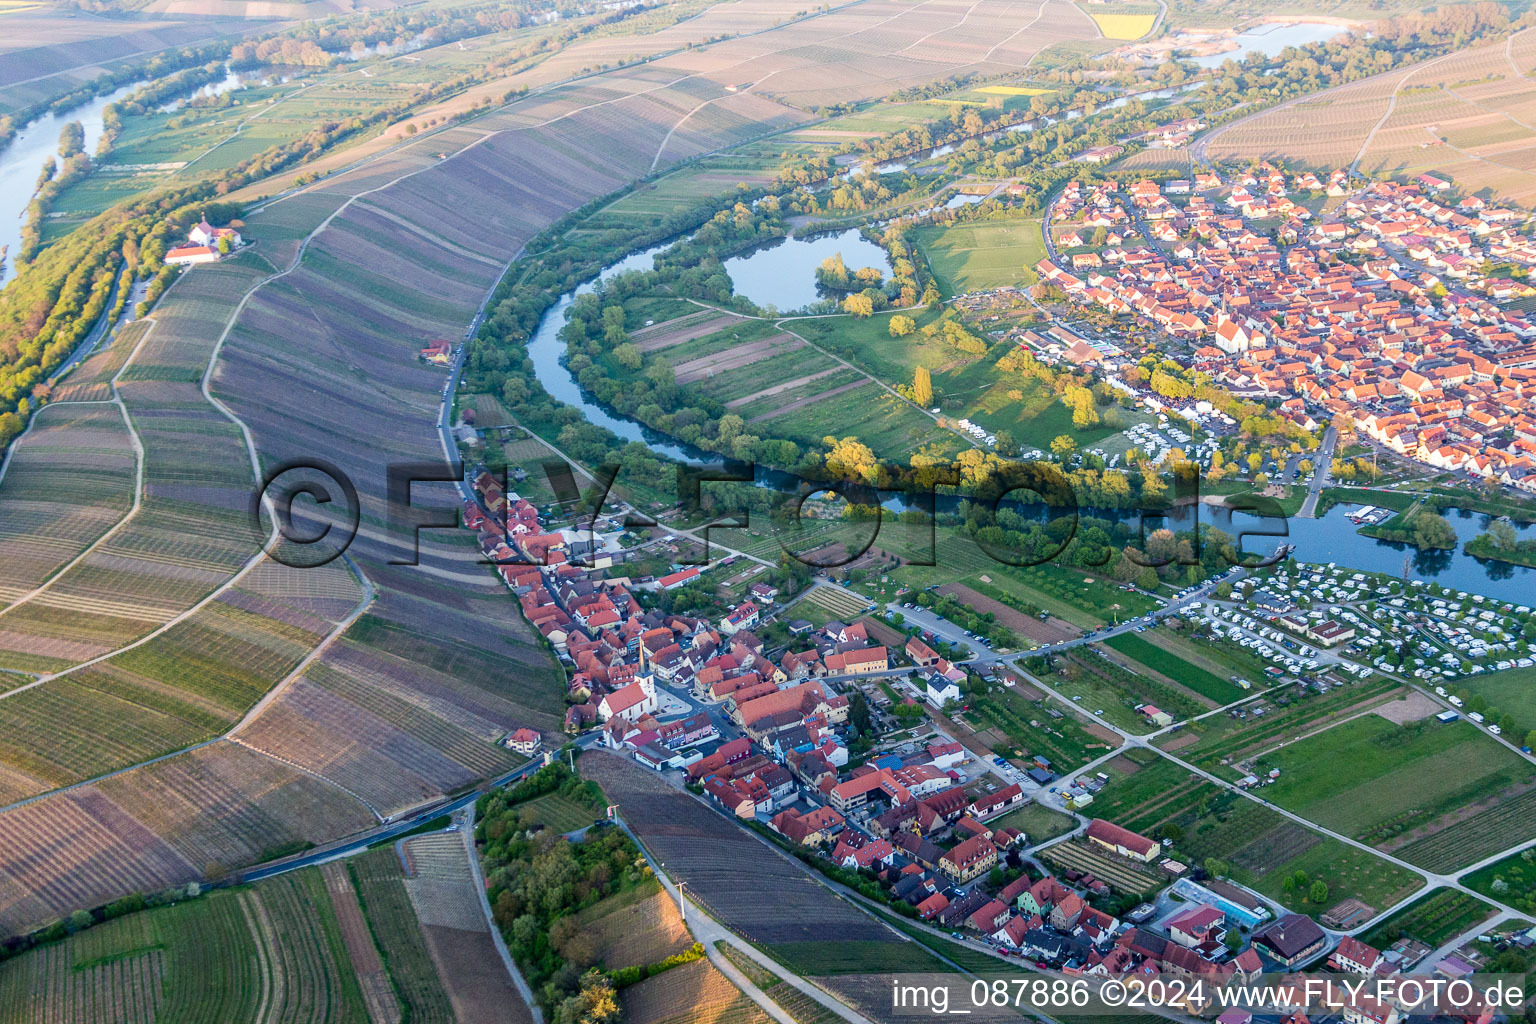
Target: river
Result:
[22, 159]
[1269, 39]
[1331, 538]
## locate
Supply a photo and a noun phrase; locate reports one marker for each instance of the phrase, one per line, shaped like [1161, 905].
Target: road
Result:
[391, 829]
[709, 931]
[1321, 468]
[1431, 879]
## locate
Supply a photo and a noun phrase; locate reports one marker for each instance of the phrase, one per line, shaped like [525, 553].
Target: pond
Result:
[1269, 39]
[783, 275]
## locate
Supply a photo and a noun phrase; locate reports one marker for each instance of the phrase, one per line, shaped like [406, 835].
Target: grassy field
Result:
[1512, 693]
[1373, 779]
[560, 813]
[985, 254]
[1037, 822]
[1174, 667]
[1511, 881]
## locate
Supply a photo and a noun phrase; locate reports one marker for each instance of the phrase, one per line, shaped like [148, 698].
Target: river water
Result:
[1331, 538]
[22, 159]
[1269, 39]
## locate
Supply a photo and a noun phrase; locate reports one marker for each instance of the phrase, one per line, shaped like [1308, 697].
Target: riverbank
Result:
[1522, 554]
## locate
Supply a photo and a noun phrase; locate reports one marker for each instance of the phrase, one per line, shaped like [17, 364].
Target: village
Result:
[1391, 310]
[928, 822]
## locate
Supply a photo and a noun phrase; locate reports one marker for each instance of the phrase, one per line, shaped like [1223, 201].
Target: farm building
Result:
[1122, 841]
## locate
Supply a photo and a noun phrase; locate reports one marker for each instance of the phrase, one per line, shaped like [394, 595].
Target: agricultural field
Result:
[1433, 919]
[1373, 779]
[985, 254]
[1096, 683]
[231, 955]
[1164, 661]
[1464, 116]
[1123, 24]
[1260, 848]
[695, 993]
[640, 926]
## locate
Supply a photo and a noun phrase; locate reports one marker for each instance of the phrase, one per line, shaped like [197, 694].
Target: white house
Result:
[206, 234]
[940, 690]
[629, 702]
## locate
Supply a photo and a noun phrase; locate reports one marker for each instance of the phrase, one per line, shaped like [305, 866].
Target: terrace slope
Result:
[370, 685]
[1468, 116]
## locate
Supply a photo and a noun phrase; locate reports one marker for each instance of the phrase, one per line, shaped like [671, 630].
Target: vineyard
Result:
[1496, 824]
[695, 993]
[776, 902]
[1465, 116]
[801, 1007]
[381, 890]
[1120, 873]
[237, 955]
[67, 483]
[1433, 919]
[635, 928]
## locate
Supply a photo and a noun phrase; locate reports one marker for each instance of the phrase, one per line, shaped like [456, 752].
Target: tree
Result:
[922, 387]
[1318, 893]
[1063, 445]
[1530, 739]
[1503, 536]
[225, 245]
[901, 326]
[627, 356]
[596, 1003]
[859, 304]
[1431, 530]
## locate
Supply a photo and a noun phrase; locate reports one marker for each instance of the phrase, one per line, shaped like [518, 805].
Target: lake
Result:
[1269, 39]
[783, 274]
